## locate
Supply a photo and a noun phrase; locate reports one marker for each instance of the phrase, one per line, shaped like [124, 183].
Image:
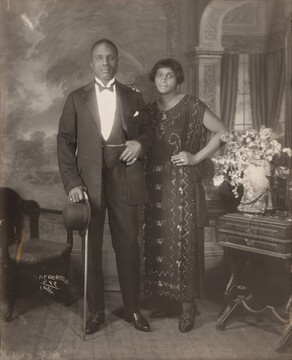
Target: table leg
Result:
[235, 291]
[287, 334]
[235, 294]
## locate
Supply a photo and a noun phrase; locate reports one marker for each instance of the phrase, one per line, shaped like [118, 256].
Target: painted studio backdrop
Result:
[45, 48]
[45, 54]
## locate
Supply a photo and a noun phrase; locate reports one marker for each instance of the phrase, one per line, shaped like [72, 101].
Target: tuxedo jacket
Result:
[79, 142]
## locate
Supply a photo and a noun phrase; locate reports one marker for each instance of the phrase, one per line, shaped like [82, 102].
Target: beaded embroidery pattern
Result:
[170, 217]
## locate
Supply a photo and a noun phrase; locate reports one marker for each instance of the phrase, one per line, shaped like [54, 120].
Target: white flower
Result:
[282, 172]
[288, 151]
[246, 148]
[218, 180]
[228, 136]
[265, 133]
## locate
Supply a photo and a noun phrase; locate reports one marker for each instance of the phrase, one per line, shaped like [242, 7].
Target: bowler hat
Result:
[76, 216]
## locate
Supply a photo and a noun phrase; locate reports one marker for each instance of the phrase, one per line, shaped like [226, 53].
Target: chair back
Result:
[13, 209]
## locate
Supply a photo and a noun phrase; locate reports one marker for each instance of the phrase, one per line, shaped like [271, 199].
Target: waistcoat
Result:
[117, 136]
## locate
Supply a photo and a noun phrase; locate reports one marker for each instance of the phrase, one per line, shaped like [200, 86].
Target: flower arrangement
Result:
[245, 148]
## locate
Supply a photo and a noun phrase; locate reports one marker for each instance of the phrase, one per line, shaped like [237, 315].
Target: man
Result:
[103, 134]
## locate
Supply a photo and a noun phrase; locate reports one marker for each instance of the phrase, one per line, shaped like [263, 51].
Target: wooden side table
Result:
[242, 236]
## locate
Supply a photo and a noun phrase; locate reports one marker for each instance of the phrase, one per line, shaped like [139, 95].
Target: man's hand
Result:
[132, 152]
[77, 194]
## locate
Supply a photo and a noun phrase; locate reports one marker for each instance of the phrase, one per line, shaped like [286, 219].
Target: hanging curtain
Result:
[229, 82]
[267, 79]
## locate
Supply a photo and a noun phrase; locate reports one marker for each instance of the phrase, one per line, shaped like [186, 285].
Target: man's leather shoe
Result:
[94, 321]
[139, 321]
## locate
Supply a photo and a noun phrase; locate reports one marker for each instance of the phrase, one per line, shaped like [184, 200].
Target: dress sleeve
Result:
[196, 132]
[197, 137]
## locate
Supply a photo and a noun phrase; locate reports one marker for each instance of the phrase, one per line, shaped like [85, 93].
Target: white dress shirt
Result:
[107, 104]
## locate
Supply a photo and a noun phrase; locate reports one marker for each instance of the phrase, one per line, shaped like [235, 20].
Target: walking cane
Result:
[85, 270]
[77, 216]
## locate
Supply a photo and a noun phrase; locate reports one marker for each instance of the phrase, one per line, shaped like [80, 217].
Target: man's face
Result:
[104, 62]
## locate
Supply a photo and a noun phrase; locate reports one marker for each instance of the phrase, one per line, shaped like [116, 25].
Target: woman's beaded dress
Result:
[176, 213]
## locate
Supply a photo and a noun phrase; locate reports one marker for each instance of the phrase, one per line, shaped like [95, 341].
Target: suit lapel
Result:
[91, 102]
[122, 105]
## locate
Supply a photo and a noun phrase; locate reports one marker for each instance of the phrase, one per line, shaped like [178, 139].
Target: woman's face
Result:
[165, 81]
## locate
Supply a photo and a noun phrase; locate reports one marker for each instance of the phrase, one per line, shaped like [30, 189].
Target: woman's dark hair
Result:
[173, 64]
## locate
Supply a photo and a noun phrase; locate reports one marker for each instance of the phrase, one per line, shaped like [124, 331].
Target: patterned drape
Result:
[229, 82]
[267, 80]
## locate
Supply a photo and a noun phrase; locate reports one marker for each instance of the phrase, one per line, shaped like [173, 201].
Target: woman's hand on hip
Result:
[184, 158]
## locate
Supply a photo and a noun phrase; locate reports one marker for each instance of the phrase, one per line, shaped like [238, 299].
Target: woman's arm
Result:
[216, 126]
[213, 124]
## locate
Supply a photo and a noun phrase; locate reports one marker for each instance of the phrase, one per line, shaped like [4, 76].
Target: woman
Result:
[176, 214]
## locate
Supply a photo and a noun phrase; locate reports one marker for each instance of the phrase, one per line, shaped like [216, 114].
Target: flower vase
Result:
[227, 197]
[256, 189]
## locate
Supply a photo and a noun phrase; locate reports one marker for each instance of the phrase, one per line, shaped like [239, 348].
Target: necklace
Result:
[164, 117]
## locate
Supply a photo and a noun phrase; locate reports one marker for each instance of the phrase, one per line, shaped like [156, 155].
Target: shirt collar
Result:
[108, 84]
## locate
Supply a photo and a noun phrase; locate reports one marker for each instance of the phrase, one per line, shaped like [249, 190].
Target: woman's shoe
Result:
[188, 316]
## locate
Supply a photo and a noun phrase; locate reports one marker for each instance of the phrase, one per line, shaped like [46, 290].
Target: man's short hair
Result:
[104, 41]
